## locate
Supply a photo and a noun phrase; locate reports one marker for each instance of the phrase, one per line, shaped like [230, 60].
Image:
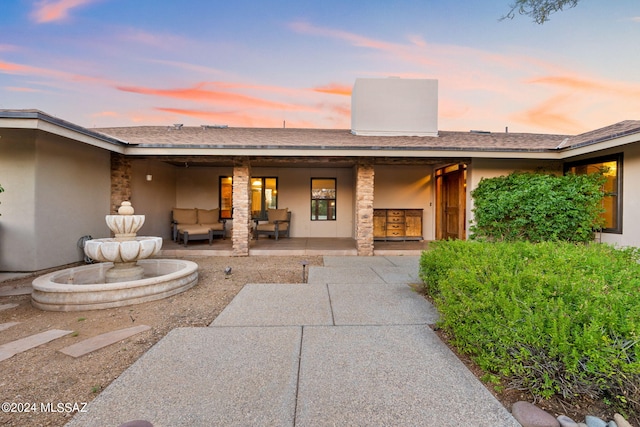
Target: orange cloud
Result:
[21, 89]
[49, 10]
[334, 89]
[228, 118]
[583, 84]
[553, 113]
[12, 68]
[200, 94]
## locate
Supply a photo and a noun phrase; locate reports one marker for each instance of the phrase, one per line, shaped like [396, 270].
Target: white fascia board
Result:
[54, 129]
[599, 146]
[288, 152]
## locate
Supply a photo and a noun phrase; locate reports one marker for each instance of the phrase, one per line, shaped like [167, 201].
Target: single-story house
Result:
[393, 175]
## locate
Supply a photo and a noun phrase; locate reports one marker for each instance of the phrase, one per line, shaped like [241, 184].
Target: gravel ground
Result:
[43, 375]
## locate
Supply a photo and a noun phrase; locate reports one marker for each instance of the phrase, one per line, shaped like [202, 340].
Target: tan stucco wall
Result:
[56, 192]
[154, 199]
[407, 187]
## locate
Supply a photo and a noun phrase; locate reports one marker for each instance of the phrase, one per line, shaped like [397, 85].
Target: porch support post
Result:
[241, 208]
[364, 209]
[120, 181]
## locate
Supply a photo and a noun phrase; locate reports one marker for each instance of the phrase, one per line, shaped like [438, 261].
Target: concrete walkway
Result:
[350, 348]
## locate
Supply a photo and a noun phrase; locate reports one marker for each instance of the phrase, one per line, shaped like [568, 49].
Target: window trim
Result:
[619, 159]
[335, 199]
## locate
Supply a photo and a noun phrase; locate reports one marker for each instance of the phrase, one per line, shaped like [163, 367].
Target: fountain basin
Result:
[84, 288]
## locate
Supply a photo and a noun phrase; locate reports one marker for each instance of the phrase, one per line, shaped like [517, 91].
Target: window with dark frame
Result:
[226, 197]
[323, 199]
[264, 195]
[611, 167]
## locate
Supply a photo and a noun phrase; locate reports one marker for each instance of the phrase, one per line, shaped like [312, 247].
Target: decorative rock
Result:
[619, 419]
[530, 415]
[612, 424]
[566, 421]
[582, 425]
[592, 421]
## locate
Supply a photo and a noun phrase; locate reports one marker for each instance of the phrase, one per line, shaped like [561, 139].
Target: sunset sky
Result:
[103, 63]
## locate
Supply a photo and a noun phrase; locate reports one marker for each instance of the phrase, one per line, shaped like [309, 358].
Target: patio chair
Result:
[278, 224]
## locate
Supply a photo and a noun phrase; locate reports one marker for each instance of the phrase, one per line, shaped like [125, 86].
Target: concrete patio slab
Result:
[277, 305]
[12, 348]
[7, 325]
[219, 377]
[396, 274]
[323, 275]
[7, 306]
[379, 304]
[389, 375]
[103, 340]
[411, 262]
[340, 261]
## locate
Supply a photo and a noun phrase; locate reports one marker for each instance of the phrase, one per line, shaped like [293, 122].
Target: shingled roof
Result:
[206, 137]
[273, 138]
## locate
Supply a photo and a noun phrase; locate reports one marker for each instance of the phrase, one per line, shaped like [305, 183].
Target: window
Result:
[323, 199]
[226, 197]
[264, 195]
[611, 166]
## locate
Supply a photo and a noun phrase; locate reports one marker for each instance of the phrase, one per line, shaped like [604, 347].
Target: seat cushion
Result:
[277, 214]
[193, 229]
[272, 227]
[218, 226]
[185, 216]
[210, 216]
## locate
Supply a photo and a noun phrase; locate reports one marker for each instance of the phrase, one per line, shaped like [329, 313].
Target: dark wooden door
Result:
[451, 203]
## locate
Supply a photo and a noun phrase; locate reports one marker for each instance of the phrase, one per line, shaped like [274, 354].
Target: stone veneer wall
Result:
[241, 209]
[364, 209]
[120, 181]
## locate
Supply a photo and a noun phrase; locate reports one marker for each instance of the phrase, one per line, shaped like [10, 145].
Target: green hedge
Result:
[538, 207]
[551, 318]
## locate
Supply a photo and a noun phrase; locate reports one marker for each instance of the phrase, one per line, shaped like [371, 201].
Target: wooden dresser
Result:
[397, 224]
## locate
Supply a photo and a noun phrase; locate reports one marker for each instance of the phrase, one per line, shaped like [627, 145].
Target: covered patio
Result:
[293, 246]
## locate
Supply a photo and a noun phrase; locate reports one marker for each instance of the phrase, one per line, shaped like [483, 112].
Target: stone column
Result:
[364, 209]
[120, 181]
[241, 208]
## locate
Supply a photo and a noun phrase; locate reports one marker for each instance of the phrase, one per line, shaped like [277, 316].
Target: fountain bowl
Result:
[84, 288]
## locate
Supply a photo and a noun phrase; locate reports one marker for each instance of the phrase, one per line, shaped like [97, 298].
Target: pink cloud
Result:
[52, 10]
[335, 89]
[201, 93]
[21, 89]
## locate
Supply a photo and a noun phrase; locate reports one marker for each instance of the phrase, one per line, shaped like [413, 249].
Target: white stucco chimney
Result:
[394, 107]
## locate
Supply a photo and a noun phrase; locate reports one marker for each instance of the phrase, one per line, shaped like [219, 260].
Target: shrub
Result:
[551, 318]
[538, 207]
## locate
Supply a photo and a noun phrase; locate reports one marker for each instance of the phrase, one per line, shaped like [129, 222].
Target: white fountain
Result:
[124, 276]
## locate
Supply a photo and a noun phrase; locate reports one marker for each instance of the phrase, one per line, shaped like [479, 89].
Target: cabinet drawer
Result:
[395, 233]
[394, 213]
[394, 219]
[392, 226]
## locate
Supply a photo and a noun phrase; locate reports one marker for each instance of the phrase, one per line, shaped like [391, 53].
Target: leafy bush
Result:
[538, 207]
[551, 318]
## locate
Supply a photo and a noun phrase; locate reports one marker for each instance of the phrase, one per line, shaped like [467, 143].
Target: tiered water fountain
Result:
[123, 277]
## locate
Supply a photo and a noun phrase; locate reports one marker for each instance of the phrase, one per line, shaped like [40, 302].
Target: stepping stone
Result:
[6, 292]
[7, 306]
[14, 347]
[100, 341]
[4, 326]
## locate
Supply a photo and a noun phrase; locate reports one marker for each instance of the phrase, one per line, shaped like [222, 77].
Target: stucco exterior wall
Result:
[410, 189]
[57, 191]
[154, 199]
